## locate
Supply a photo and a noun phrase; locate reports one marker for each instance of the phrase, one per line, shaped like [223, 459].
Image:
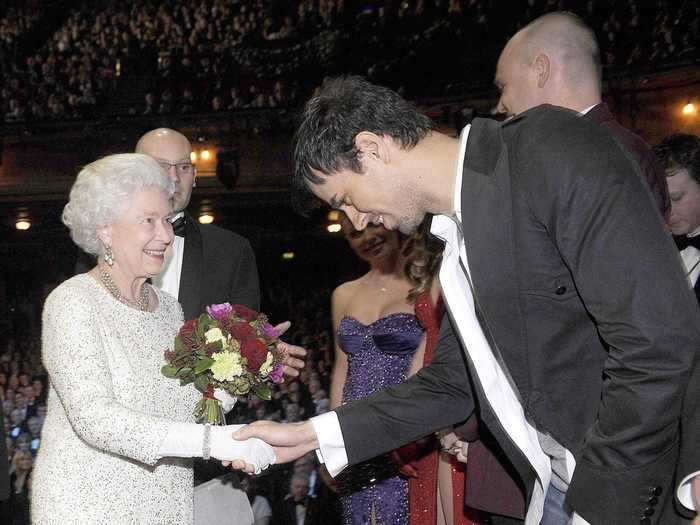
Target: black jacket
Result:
[581, 291]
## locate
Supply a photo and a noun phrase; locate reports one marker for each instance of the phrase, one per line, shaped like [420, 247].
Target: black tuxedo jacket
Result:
[218, 266]
[581, 293]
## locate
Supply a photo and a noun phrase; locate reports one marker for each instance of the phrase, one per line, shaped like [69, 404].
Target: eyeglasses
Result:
[182, 168]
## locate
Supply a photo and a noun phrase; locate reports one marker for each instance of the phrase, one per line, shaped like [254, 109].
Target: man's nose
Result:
[500, 108]
[358, 219]
[171, 171]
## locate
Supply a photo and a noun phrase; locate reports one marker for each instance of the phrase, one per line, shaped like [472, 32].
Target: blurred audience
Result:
[200, 57]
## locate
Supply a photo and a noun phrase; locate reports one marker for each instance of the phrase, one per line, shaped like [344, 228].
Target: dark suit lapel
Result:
[192, 269]
[487, 221]
[487, 218]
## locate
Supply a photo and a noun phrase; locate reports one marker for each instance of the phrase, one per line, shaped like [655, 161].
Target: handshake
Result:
[261, 444]
[282, 443]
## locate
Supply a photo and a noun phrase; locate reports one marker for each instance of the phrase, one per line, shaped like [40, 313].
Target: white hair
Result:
[103, 189]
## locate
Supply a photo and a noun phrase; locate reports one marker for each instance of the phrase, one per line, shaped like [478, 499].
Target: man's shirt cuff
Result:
[331, 446]
[685, 491]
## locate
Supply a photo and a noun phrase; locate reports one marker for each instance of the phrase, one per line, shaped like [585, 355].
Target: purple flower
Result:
[219, 311]
[277, 373]
[270, 331]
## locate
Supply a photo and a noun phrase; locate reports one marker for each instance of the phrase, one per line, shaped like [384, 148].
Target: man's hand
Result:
[293, 355]
[289, 441]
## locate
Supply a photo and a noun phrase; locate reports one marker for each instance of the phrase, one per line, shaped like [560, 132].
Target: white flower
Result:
[266, 367]
[227, 365]
[214, 334]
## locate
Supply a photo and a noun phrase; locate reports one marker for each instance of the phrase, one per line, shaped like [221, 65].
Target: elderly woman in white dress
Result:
[119, 437]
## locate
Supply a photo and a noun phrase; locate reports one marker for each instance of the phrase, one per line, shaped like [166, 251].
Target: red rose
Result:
[241, 330]
[255, 351]
[225, 325]
[244, 312]
[188, 328]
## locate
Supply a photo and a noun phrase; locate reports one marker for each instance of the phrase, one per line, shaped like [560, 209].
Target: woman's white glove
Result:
[227, 400]
[253, 451]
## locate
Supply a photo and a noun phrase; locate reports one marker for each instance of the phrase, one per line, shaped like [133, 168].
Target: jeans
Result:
[554, 511]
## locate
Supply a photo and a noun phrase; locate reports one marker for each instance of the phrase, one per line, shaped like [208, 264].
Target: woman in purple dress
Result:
[379, 342]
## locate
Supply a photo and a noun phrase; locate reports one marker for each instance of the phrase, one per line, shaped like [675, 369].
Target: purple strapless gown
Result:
[379, 355]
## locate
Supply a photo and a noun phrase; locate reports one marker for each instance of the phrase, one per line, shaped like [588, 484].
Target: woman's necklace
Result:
[140, 304]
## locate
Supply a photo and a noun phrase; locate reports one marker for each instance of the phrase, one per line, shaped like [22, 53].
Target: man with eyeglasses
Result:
[208, 264]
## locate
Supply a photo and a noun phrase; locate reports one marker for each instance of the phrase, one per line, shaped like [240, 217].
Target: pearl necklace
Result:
[140, 304]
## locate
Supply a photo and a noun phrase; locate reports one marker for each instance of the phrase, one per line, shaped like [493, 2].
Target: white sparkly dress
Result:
[109, 409]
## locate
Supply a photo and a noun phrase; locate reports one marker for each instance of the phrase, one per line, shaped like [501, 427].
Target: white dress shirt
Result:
[500, 393]
[169, 279]
[691, 260]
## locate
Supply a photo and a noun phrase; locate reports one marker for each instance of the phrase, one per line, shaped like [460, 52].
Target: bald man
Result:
[208, 264]
[555, 60]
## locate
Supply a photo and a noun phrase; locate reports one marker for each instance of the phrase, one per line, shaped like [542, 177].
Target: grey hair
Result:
[103, 189]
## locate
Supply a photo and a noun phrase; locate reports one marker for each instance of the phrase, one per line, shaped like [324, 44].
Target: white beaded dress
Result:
[109, 409]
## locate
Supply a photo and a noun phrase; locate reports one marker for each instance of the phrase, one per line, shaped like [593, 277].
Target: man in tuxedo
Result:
[571, 328]
[680, 157]
[208, 264]
[297, 507]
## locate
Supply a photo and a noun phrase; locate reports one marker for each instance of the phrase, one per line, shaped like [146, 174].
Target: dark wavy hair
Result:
[423, 253]
[680, 151]
[345, 106]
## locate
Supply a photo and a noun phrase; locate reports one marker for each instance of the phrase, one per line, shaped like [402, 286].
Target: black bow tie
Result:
[683, 241]
[179, 226]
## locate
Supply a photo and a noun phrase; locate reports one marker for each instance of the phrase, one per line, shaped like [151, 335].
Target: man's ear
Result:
[369, 145]
[542, 69]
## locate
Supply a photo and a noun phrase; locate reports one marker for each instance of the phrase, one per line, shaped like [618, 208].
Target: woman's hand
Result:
[254, 453]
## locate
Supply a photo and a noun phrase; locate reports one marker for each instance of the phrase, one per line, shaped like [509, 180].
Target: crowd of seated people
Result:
[222, 55]
[23, 388]
[64, 78]
[15, 25]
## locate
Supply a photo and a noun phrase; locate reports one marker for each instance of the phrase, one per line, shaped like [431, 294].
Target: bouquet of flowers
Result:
[230, 347]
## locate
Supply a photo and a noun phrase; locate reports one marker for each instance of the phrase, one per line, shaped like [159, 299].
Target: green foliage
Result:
[169, 371]
[203, 363]
[263, 391]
